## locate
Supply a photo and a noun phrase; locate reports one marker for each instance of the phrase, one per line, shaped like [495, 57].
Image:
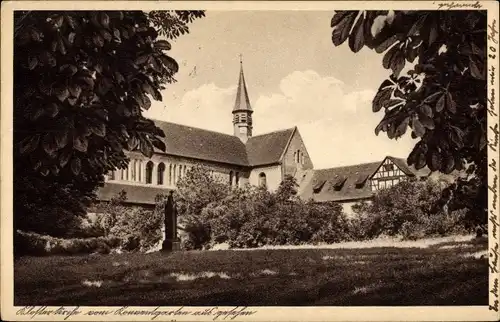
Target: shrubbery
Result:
[210, 213]
[37, 245]
[195, 191]
[252, 217]
[116, 227]
[138, 228]
[410, 210]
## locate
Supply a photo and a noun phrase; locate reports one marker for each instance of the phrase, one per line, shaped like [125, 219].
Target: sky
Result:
[295, 76]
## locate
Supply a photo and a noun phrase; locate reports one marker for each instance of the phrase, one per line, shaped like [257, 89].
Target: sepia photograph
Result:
[252, 158]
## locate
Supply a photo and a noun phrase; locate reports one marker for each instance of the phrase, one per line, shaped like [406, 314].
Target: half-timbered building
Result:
[351, 184]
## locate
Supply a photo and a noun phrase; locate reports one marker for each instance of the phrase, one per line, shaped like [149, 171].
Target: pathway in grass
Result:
[447, 273]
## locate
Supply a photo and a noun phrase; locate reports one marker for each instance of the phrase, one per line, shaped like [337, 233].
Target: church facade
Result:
[241, 158]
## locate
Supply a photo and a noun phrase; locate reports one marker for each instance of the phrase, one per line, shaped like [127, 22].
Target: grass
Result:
[393, 276]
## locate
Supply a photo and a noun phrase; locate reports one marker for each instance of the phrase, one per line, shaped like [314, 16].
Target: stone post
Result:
[142, 165]
[171, 242]
[138, 174]
[129, 170]
[154, 175]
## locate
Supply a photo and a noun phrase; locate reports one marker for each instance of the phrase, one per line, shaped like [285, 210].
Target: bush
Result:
[196, 191]
[39, 245]
[251, 217]
[409, 210]
[138, 228]
[329, 222]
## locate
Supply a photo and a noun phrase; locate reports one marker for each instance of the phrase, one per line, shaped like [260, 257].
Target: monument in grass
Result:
[171, 241]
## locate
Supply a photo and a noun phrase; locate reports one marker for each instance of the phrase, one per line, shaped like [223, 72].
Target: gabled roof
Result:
[354, 178]
[141, 195]
[409, 170]
[191, 142]
[400, 163]
[242, 102]
[268, 148]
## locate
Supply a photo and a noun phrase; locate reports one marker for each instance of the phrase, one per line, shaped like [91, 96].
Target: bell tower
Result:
[242, 111]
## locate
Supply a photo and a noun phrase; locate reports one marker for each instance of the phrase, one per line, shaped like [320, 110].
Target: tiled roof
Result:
[143, 195]
[196, 143]
[202, 144]
[268, 148]
[322, 184]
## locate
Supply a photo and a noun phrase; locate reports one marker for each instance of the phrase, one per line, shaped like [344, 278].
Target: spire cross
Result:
[241, 58]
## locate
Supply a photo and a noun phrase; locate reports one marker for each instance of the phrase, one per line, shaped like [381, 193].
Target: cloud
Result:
[304, 97]
[336, 124]
[207, 106]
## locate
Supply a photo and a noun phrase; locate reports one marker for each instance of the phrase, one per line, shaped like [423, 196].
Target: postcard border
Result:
[8, 310]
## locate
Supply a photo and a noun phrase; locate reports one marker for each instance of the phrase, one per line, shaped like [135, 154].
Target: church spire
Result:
[242, 102]
[242, 111]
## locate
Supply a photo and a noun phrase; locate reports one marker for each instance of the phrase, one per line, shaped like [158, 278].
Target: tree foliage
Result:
[441, 98]
[81, 82]
[49, 207]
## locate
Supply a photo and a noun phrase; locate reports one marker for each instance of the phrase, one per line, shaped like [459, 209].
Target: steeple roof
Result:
[242, 102]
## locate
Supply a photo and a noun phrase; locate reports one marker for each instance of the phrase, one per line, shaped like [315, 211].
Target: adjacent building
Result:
[351, 184]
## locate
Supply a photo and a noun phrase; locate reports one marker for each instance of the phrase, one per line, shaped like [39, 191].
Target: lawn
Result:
[446, 273]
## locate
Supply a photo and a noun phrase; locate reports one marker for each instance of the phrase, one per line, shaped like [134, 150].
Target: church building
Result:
[261, 160]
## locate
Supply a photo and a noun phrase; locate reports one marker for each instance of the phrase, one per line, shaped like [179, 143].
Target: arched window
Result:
[230, 178]
[122, 173]
[127, 170]
[170, 175]
[262, 180]
[112, 175]
[237, 177]
[149, 172]
[161, 172]
[174, 175]
[179, 173]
